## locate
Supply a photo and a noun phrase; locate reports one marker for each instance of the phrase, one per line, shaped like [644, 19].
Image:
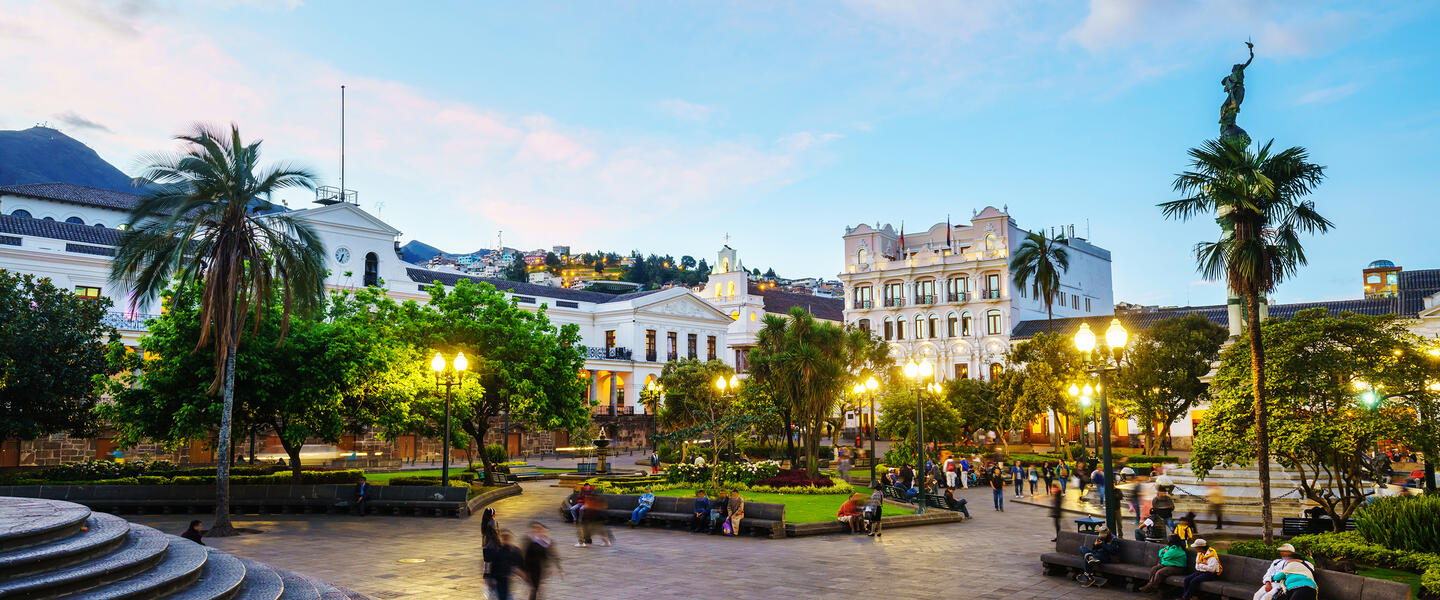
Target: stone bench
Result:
[1240, 576]
[765, 518]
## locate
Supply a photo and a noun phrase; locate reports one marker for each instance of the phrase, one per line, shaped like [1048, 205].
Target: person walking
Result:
[997, 488]
[1062, 474]
[1057, 501]
[1047, 471]
[1207, 568]
[362, 494]
[1172, 562]
[1034, 478]
[950, 473]
[654, 462]
[1216, 496]
[1017, 476]
[539, 557]
[193, 532]
[502, 558]
[964, 473]
[844, 467]
[1097, 479]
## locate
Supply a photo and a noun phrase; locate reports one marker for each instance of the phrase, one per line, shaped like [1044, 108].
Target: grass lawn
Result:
[1395, 575]
[384, 478]
[799, 508]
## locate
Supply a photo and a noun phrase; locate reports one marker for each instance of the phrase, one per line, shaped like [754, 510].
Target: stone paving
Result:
[992, 557]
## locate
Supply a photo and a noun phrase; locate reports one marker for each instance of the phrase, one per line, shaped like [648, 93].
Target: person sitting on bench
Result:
[849, 512]
[1172, 562]
[647, 501]
[1298, 578]
[719, 511]
[1207, 568]
[1105, 548]
[955, 504]
[700, 519]
[1269, 586]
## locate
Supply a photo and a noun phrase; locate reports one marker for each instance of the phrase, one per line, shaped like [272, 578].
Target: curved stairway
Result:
[54, 549]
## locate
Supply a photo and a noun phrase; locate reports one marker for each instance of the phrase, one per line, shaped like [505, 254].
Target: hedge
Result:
[1351, 545]
[428, 481]
[285, 478]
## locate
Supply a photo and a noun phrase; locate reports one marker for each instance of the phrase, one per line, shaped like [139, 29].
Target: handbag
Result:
[726, 528]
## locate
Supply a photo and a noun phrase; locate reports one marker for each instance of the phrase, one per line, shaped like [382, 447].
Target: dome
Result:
[1381, 264]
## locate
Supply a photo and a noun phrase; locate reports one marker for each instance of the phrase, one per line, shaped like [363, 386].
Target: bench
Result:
[1090, 525]
[765, 518]
[524, 472]
[938, 501]
[585, 468]
[1240, 575]
[1293, 526]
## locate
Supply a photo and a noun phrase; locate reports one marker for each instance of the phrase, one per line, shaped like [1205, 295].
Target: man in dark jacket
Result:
[502, 558]
[193, 532]
[1105, 548]
[700, 515]
[539, 555]
[907, 476]
[997, 488]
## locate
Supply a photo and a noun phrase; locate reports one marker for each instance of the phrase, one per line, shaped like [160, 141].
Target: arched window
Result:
[934, 326]
[52, 219]
[730, 289]
[900, 328]
[952, 325]
[22, 213]
[372, 269]
[864, 325]
[919, 327]
[75, 220]
[862, 257]
[966, 329]
[992, 322]
[995, 370]
[889, 329]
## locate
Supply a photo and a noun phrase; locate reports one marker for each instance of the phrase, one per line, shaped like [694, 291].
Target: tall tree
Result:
[1044, 367]
[209, 220]
[52, 348]
[1259, 200]
[805, 362]
[687, 262]
[977, 402]
[516, 270]
[553, 263]
[1161, 381]
[1038, 263]
[696, 408]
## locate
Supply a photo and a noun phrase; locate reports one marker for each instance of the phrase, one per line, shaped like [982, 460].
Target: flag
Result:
[947, 231]
[902, 239]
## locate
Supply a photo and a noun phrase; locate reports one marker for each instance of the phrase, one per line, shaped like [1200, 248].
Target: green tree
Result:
[209, 220]
[687, 262]
[1161, 379]
[695, 408]
[1038, 263]
[977, 402]
[52, 351]
[897, 419]
[1321, 372]
[516, 270]
[520, 363]
[704, 270]
[770, 274]
[1044, 367]
[1259, 201]
[552, 263]
[805, 362]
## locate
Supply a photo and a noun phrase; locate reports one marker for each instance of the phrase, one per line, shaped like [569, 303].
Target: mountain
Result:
[418, 252]
[44, 155]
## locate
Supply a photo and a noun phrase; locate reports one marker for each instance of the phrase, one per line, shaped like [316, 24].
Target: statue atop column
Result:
[1234, 85]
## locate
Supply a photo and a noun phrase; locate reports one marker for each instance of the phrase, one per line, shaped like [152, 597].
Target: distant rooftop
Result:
[74, 194]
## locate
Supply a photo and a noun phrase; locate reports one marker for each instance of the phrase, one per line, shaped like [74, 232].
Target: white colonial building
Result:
[945, 294]
[730, 290]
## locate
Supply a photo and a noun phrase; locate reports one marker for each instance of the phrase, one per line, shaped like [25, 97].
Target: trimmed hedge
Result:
[794, 478]
[1255, 549]
[1351, 545]
[428, 481]
[285, 478]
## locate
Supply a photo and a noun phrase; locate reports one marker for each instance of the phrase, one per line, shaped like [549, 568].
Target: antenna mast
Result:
[342, 137]
[328, 195]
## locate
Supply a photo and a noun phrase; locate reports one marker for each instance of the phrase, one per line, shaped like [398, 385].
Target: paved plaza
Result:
[995, 556]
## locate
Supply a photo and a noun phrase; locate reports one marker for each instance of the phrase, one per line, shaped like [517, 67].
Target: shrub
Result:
[152, 480]
[285, 478]
[794, 478]
[91, 470]
[496, 453]
[1255, 549]
[1401, 522]
[1351, 545]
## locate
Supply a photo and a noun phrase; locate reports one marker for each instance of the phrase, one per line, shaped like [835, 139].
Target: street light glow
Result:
[871, 384]
[437, 364]
[1116, 336]
[912, 370]
[1084, 339]
[1074, 390]
[720, 383]
[461, 363]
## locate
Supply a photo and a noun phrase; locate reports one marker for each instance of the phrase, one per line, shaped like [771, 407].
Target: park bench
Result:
[1239, 578]
[938, 501]
[760, 517]
[524, 472]
[585, 468]
[1302, 525]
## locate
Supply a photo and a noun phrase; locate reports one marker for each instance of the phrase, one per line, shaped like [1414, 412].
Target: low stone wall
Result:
[479, 502]
[936, 517]
[256, 498]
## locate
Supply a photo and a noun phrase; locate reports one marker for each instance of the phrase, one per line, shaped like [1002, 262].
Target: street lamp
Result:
[869, 386]
[453, 378]
[917, 372]
[1100, 365]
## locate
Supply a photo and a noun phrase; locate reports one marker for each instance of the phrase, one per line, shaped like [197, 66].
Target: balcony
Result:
[610, 353]
[960, 297]
[894, 302]
[924, 299]
[650, 355]
[863, 304]
[990, 294]
[124, 322]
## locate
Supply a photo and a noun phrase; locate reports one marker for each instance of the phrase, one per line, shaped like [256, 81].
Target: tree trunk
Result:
[790, 439]
[222, 526]
[1262, 426]
[1049, 316]
[294, 453]
[479, 430]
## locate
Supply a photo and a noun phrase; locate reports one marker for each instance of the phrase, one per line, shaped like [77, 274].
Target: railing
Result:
[123, 321]
[612, 353]
[862, 304]
[990, 294]
[960, 297]
[925, 299]
[650, 355]
[893, 302]
[672, 356]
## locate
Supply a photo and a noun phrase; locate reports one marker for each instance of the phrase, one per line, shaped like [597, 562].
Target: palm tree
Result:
[1259, 200]
[1038, 263]
[804, 361]
[209, 223]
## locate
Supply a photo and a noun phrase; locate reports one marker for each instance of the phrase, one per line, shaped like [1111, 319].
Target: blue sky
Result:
[664, 126]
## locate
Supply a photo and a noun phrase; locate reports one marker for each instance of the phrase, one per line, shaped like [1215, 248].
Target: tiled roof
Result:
[59, 230]
[1216, 314]
[780, 302]
[75, 194]
[427, 276]
[1416, 286]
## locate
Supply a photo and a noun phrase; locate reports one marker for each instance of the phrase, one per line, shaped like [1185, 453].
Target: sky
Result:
[665, 126]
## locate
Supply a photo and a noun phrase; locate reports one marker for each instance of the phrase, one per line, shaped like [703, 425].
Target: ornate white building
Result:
[945, 295]
[730, 290]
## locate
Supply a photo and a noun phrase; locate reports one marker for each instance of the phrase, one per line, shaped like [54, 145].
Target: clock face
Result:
[342, 255]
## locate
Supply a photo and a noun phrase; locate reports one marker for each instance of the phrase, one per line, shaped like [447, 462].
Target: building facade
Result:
[731, 291]
[945, 294]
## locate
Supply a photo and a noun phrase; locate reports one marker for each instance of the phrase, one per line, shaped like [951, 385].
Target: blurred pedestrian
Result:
[1057, 501]
[539, 557]
[1216, 495]
[193, 532]
[502, 558]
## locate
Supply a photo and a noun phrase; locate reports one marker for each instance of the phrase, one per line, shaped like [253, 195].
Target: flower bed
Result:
[795, 478]
[742, 472]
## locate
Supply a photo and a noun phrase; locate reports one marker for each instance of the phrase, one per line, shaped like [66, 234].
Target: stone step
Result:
[99, 534]
[261, 582]
[297, 587]
[219, 579]
[142, 549]
[181, 566]
[327, 591]
[30, 521]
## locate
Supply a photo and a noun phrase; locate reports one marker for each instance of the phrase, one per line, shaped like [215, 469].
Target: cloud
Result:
[1279, 31]
[685, 111]
[805, 140]
[72, 119]
[1329, 94]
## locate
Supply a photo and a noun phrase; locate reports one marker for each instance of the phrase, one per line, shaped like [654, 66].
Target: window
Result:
[1391, 279]
[672, 345]
[955, 289]
[709, 347]
[52, 219]
[1022, 292]
[995, 370]
[863, 325]
[862, 257]
[965, 324]
[690, 346]
[925, 292]
[372, 270]
[87, 292]
[893, 295]
[752, 315]
[650, 345]
[919, 327]
[1074, 301]
[864, 297]
[900, 328]
[22, 213]
[992, 283]
[609, 339]
[962, 371]
[1060, 299]
[100, 225]
[934, 326]
[75, 220]
[1372, 278]
[730, 289]
[952, 325]
[1087, 305]
[889, 329]
[992, 322]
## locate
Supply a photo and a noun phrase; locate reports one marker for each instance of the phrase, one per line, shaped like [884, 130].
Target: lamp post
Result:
[453, 378]
[1116, 338]
[917, 372]
[1083, 398]
[733, 385]
[869, 386]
